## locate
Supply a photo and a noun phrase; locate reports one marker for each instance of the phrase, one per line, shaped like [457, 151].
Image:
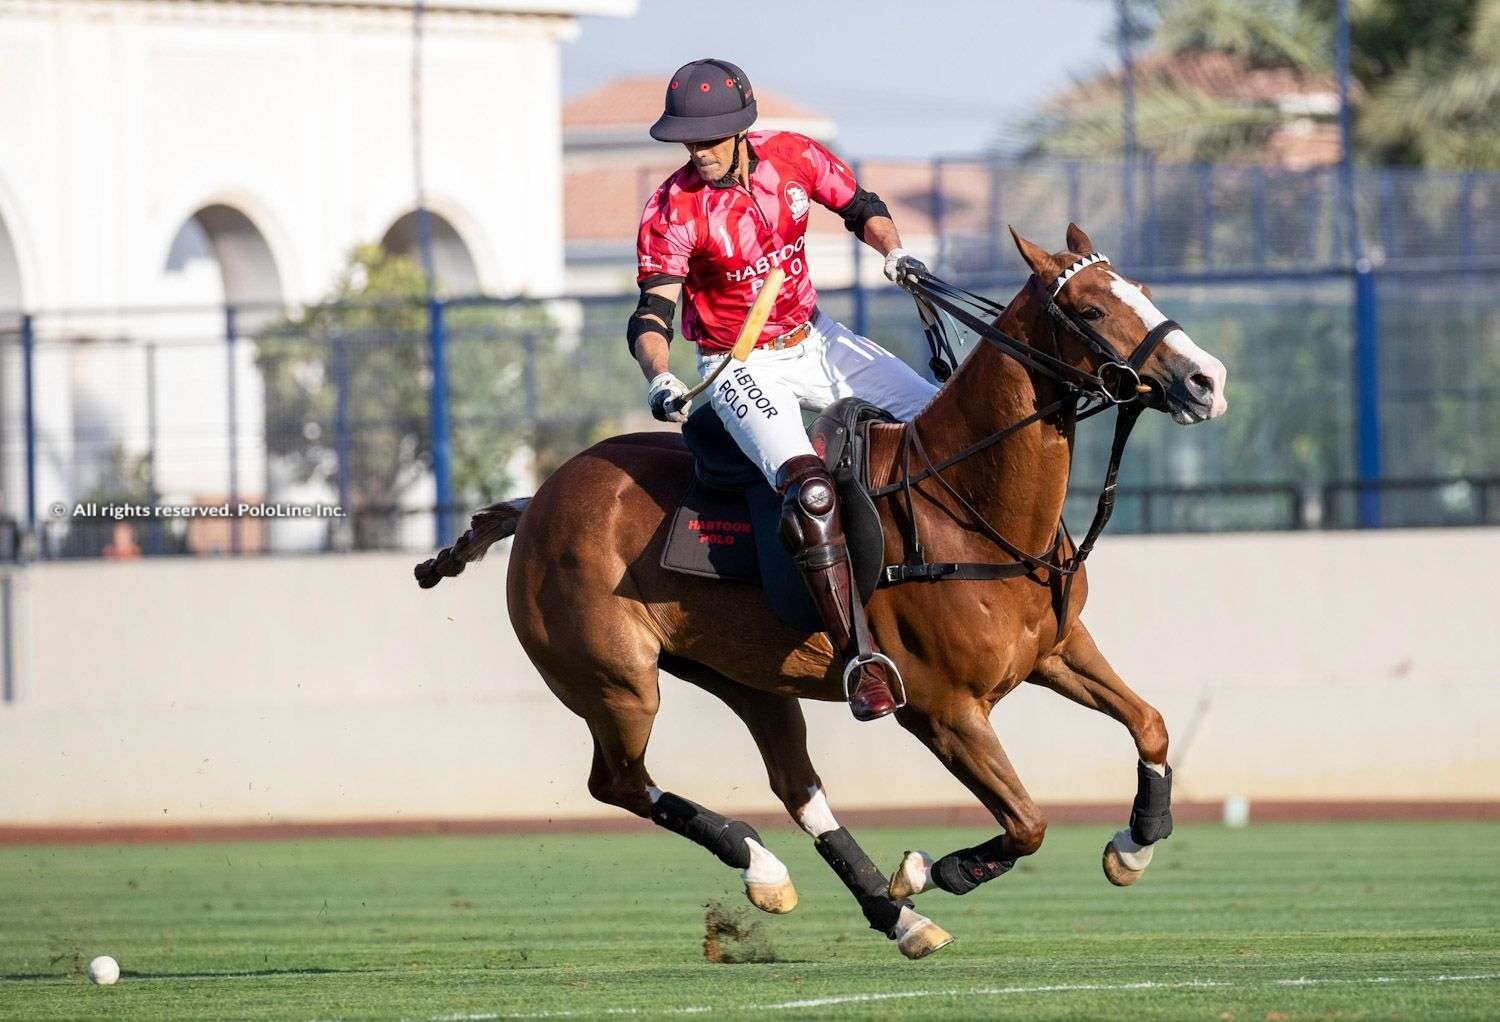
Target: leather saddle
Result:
[727, 525]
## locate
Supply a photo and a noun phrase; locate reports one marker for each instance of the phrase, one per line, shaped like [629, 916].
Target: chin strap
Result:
[734, 164]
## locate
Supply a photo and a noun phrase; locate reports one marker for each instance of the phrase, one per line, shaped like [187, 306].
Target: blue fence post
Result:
[937, 214]
[437, 344]
[1466, 216]
[341, 418]
[1369, 453]
[996, 224]
[28, 410]
[1258, 213]
[232, 427]
[1206, 197]
[861, 326]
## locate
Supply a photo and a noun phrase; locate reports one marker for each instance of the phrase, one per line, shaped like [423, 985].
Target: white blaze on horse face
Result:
[817, 816]
[1191, 362]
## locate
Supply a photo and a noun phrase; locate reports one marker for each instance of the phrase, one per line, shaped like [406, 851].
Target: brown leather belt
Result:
[790, 339]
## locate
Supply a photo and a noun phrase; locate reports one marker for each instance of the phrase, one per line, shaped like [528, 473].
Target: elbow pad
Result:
[861, 209]
[650, 305]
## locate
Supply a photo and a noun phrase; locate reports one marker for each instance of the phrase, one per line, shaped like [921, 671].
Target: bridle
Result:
[1114, 382]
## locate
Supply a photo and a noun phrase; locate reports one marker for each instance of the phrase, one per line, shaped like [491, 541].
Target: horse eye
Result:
[1091, 313]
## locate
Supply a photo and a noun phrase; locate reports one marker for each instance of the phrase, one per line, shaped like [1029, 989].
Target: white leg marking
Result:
[916, 870]
[817, 816]
[764, 867]
[1159, 768]
[653, 792]
[1134, 856]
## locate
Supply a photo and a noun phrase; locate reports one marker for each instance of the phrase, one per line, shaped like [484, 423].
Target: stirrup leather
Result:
[897, 685]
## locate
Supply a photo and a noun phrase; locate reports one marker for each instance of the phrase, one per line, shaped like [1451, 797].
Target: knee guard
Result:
[810, 525]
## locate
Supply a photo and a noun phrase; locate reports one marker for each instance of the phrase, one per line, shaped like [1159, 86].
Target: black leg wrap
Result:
[961, 871]
[863, 878]
[722, 836]
[1151, 814]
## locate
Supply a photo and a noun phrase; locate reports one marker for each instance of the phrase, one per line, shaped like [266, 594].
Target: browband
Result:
[1072, 271]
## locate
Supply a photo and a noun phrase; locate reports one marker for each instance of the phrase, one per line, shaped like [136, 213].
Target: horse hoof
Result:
[779, 898]
[923, 938]
[913, 876]
[1115, 870]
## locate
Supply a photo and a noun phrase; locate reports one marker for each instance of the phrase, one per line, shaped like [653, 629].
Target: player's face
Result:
[712, 158]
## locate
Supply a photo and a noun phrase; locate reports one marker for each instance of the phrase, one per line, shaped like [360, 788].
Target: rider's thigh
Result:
[859, 367]
[760, 409]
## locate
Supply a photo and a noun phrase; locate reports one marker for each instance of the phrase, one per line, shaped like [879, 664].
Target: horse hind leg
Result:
[1077, 670]
[620, 716]
[780, 732]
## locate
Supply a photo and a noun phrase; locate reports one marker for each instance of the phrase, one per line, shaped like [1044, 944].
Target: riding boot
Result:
[813, 532]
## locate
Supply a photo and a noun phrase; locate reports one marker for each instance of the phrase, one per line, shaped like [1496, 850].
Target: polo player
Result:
[710, 235]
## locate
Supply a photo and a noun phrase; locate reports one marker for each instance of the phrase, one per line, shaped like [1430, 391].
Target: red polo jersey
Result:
[722, 241]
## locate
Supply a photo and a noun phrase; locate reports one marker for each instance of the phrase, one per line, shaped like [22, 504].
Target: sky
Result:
[911, 79]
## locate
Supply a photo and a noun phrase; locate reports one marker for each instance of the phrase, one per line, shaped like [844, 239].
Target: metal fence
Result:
[404, 415]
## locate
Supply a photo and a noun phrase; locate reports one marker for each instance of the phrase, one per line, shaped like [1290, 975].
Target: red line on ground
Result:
[1266, 811]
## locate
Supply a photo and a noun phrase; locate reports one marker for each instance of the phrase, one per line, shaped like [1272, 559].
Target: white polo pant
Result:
[761, 399]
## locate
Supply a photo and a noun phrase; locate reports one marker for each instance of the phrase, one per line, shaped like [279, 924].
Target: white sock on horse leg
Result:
[816, 817]
[764, 867]
[653, 793]
[1134, 856]
[1159, 768]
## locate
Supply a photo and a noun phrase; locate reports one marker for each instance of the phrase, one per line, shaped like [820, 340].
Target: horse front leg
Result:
[1078, 670]
[961, 737]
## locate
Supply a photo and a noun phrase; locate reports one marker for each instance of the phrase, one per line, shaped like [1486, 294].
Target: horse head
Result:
[1116, 317]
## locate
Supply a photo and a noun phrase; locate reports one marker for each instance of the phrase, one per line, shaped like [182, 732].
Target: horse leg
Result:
[780, 732]
[1078, 670]
[962, 738]
[619, 713]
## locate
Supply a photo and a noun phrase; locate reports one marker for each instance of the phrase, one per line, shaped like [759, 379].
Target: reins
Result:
[1117, 382]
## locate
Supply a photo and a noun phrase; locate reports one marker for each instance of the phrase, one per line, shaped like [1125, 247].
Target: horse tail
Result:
[488, 526]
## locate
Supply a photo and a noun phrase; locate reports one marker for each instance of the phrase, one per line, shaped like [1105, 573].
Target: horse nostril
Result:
[1202, 381]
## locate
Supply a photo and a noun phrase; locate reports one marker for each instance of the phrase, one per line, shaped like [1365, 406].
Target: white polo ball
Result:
[104, 970]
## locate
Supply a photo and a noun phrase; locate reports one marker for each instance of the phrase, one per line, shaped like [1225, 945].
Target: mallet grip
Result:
[755, 322]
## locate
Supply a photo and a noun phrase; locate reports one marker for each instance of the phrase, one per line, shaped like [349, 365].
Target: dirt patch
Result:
[730, 938]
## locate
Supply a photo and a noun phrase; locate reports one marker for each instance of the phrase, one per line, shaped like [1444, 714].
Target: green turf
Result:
[420, 928]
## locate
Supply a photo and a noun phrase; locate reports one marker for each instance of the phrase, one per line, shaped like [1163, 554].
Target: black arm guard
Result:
[650, 305]
[861, 209]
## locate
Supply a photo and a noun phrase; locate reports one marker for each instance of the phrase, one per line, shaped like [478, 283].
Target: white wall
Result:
[1330, 666]
[122, 119]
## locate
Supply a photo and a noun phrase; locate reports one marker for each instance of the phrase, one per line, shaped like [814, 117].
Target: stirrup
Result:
[897, 686]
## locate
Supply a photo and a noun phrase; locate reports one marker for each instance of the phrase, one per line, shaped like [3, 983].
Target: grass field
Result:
[1271, 922]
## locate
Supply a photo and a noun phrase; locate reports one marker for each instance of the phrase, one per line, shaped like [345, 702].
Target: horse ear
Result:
[1038, 258]
[1078, 241]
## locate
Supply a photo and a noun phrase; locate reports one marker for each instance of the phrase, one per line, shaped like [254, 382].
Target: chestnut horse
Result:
[600, 618]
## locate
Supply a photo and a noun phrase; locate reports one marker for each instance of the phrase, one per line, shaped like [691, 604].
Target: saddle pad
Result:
[711, 536]
[735, 536]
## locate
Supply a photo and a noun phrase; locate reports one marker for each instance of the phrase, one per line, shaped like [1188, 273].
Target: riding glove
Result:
[899, 262]
[663, 389]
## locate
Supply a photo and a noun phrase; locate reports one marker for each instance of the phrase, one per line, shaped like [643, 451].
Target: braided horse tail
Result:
[488, 526]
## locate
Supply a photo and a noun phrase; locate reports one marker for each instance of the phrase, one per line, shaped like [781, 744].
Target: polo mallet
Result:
[755, 322]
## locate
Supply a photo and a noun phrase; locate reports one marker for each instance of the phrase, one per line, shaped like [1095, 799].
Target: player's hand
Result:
[662, 390]
[899, 262]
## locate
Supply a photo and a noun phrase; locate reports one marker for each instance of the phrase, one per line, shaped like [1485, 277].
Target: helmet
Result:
[706, 99]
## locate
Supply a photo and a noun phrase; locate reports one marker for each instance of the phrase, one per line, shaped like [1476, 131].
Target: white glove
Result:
[899, 262]
[662, 389]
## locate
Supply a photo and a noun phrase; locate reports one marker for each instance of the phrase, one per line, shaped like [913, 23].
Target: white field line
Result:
[834, 1000]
